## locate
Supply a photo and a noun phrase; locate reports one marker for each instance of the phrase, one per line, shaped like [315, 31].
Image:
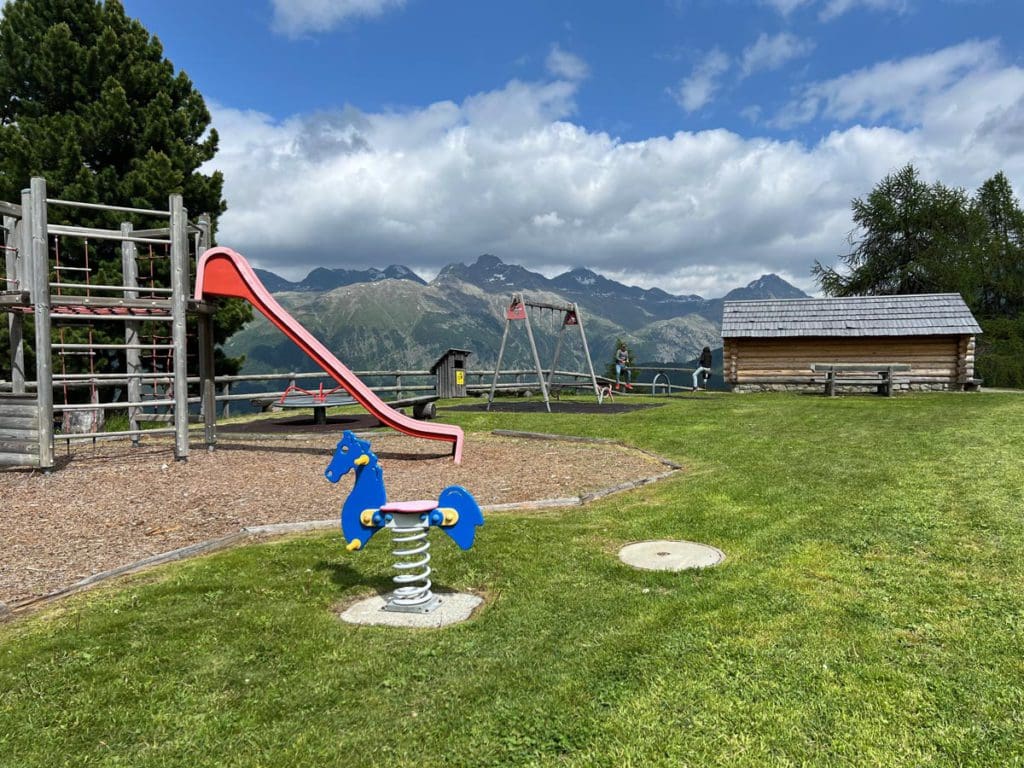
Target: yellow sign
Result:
[460, 377]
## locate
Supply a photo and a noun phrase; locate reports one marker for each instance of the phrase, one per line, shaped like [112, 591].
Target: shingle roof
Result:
[930, 314]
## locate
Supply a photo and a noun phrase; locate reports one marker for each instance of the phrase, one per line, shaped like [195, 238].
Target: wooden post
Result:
[730, 353]
[208, 393]
[969, 359]
[14, 265]
[205, 238]
[132, 355]
[40, 271]
[179, 328]
[207, 357]
[965, 363]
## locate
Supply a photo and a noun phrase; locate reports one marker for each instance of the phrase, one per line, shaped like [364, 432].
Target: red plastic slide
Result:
[223, 272]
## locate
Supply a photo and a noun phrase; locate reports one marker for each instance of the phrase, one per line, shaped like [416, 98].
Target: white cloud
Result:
[566, 65]
[699, 88]
[507, 172]
[295, 18]
[520, 107]
[895, 89]
[751, 113]
[835, 8]
[785, 7]
[771, 52]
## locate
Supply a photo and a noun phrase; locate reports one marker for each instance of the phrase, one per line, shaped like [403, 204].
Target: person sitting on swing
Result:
[704, 367]
[622, 366]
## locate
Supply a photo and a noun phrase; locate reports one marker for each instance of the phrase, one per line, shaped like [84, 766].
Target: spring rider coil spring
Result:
[412, 564]
[366, 510]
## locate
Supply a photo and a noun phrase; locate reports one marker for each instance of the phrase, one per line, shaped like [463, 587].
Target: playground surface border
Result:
[601, 458]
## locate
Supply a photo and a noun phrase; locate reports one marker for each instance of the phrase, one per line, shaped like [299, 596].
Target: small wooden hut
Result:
[773, 344]
[450, 369]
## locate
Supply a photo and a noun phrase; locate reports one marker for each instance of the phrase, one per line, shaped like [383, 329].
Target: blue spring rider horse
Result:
[366, 510]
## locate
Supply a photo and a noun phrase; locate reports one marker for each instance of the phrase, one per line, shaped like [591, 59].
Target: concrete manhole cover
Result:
[670, 555]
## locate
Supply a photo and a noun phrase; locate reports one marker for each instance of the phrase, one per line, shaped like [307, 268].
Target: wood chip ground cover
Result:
[112, 504]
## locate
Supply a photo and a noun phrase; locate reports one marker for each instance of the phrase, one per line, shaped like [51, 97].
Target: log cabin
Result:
[775, 344]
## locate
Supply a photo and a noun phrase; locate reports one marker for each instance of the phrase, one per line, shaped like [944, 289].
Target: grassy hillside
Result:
[870, 613]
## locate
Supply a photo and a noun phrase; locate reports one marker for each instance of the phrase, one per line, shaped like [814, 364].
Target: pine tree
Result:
[88, 101]
[911, 237]
[1001, 250]
[999, 305]
[914, 237]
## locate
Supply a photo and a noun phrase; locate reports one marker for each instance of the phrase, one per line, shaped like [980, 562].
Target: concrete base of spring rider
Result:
[398, 605]
[453, 608]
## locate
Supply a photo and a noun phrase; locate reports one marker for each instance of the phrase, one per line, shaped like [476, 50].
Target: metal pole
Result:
[586, 351]
[501, 353]
[554, 359]
[536, 360]
[132, 355]
[497, 365]
[40, 271]
[15, 321]
[179, 329]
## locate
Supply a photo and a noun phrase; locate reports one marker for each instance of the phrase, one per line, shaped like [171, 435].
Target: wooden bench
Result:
[879, 375]
[972, 384]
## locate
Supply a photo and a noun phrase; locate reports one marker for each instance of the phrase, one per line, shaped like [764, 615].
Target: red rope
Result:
[63, 367]
[56, 256]
[87, 273]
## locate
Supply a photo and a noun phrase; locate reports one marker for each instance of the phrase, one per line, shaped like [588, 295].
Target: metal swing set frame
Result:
[518, 310]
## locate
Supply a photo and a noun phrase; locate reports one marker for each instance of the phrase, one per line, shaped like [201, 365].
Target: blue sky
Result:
[686, 144]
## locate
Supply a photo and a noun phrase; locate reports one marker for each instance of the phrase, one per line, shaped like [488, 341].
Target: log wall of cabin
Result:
[937, 362]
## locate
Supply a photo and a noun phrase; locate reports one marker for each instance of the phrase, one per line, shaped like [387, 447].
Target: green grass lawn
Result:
[870, 612]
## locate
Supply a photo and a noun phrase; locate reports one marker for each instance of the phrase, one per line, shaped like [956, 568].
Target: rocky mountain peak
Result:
[399, 272]
[492, 274]
[769, 286]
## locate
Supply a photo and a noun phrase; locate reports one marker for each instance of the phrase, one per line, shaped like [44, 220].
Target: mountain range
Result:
[388, 319]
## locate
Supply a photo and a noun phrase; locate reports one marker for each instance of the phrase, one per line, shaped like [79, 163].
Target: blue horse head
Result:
[368, 491]
[348, 455]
